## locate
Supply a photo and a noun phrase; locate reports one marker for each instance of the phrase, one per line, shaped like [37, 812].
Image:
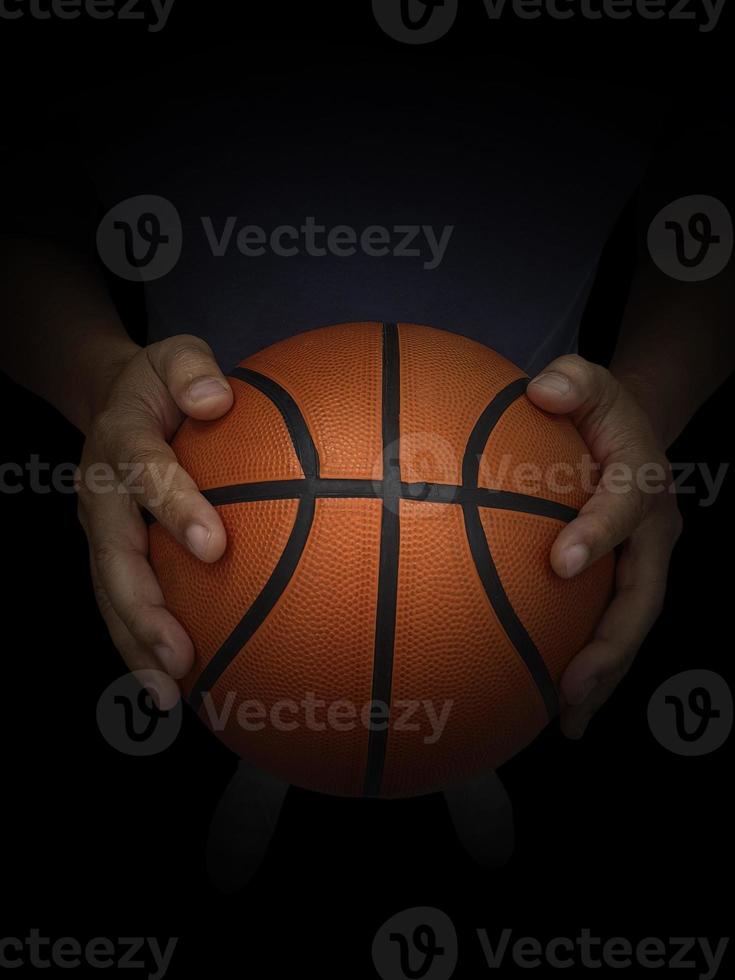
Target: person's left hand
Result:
[633, 506]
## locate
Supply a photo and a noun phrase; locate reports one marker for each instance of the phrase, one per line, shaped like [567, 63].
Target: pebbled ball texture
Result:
[381, 627]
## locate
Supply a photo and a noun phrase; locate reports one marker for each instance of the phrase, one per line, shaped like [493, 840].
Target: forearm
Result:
[676, 345]
[64, 338]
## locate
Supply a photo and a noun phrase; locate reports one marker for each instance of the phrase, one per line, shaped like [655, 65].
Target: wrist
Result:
[102, 360]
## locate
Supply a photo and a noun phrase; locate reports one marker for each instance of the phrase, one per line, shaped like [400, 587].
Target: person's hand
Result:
[632, 507]
[127, 464]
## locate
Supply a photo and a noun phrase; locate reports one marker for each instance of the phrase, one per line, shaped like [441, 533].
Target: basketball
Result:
[385, 620]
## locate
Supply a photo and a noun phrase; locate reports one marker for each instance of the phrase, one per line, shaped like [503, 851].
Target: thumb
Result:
[187, 367]
[570, 385]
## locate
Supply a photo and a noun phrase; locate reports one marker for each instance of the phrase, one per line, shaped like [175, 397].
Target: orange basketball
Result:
[385, 620]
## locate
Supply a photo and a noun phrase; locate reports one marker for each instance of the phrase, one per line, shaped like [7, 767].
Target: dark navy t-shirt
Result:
[517, 184]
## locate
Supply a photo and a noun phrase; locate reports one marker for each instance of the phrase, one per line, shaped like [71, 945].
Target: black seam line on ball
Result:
[295, 422]
[433, 493]
[517, 634]
[262, 606]
[385, 618]
[389, 490]
[482, 551]
[484, 426]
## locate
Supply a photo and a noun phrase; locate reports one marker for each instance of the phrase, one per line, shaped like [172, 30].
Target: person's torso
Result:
[329, 202]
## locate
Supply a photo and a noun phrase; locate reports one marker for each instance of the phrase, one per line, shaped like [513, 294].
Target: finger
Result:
[611, 422]
[118, 543]
[613, 512]
[610, 669]
[598, 669]
[162, 688]
[617, 434]
[620, 505]
[149, 472]
[187, 367]
[572, 385]
[641, 584]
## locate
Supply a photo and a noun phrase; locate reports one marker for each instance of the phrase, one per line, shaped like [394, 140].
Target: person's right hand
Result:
[150, 395]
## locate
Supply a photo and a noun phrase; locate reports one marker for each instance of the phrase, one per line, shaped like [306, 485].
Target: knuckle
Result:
[173, 507]
[581, 371]
[156, 353]
[102, 599]
[137, 621]
[599, 388]
[573, 363]
[94, 485]
[187, 353]
[605, 390]
[638, 505]
[603, 526]
[105, 557]
[630, 442]
[83, 497]
[190, 341]
[670, 517]
[139, 454]
[104, 427]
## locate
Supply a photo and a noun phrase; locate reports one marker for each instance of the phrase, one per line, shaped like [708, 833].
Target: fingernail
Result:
[204, 388]
[558, 383]
[153, 691]
[167, 659]
[575, 559]
[197, 537]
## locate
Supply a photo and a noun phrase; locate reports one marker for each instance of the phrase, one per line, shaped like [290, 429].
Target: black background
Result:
[613, 833]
